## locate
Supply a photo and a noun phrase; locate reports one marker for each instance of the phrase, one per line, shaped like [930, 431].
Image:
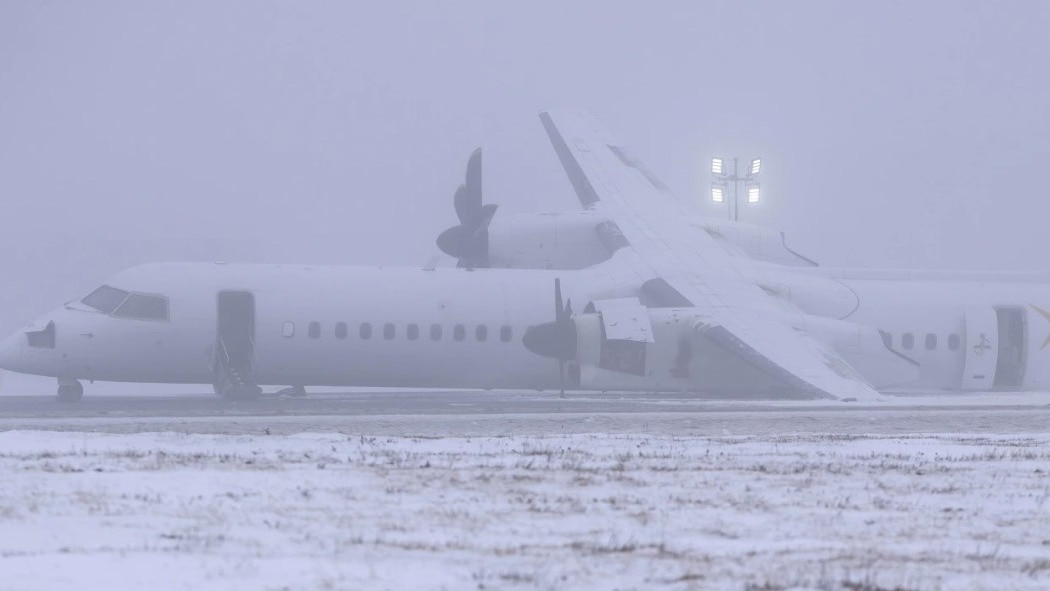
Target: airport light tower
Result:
[722, 179]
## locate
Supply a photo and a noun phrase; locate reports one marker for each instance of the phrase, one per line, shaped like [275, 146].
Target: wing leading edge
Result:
[734, 312]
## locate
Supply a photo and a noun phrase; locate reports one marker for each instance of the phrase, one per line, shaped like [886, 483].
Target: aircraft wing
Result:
[684, 267]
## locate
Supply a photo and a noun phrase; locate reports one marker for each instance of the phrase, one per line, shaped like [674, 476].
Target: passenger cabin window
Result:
[314, 330]
[435, 332]
[481, 333]
[366, 331]
[459, 332]
[389, 331]
[340, 330]
[105, 299]
[908, 341]
[887, 339]
[412, 331]
[143, 307]
[931, 342]
[953, 342]
[288, 330]
[506, 333]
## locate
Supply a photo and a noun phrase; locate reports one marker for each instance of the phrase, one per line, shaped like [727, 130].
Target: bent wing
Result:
[689, 267]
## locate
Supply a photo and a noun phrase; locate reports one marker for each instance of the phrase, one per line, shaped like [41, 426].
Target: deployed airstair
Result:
[235, 347]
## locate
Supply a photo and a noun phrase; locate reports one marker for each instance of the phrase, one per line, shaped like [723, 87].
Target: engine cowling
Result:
[561, 240]
[621, 344]
[678, 357]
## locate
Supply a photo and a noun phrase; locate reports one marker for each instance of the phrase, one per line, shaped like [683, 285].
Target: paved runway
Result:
[390, 402]
[476, 413]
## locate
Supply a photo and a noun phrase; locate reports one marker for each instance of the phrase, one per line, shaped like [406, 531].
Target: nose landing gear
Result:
[70, 390]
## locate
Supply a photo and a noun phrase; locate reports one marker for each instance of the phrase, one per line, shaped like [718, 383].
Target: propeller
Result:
[469, 241]
[555, 339]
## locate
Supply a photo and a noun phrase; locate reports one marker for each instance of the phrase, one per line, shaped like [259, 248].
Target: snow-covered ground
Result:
[590, 511]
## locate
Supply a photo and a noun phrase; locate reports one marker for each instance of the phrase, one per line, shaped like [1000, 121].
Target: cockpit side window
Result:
[144, 307]
[105, 299]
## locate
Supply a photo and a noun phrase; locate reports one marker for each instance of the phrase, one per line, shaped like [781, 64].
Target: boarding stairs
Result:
[234, 371]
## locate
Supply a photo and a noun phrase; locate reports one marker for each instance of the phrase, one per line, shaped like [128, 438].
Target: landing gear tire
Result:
[70, 392]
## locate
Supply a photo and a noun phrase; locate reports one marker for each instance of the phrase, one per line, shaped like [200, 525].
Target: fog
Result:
[714, 423]
[895, 134]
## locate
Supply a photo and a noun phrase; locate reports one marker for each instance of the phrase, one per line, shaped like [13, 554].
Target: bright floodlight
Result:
[718, 167]
[752, 193]
[718, 193]
[756, 167]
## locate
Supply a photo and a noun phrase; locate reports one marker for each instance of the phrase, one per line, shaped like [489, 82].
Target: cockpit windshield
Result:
[124, 304]
[144, 307]
[105, 299]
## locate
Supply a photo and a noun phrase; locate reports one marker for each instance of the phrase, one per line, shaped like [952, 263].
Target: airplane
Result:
[666, 300]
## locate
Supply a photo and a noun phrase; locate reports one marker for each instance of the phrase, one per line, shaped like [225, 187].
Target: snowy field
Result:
[584, 511]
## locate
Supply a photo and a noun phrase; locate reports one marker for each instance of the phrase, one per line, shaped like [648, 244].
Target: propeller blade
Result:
[469, 241]
[556, 339]
[466, 210]
[557, 300]
[486, 213]
[473, 176]
[468, 196]
[456, 242]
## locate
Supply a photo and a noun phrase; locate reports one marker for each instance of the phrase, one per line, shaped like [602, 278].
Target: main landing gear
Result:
[70, 390]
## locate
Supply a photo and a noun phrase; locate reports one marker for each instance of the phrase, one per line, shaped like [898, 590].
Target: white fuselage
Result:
[408, 327]
[297, 311]
[938, 318]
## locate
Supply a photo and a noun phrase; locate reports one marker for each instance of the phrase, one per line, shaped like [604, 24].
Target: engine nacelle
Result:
[813, 294]
[679, 357]
[757, 242]
[563, 240]
[570, 240]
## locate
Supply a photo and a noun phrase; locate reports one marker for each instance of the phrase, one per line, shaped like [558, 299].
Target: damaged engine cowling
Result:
[622, 345]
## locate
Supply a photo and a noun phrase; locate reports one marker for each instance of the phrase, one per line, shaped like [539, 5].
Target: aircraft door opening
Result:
[982, 349]
[235, 345]
[1013, 345]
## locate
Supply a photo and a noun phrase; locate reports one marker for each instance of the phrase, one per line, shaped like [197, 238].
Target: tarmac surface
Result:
[484, 413]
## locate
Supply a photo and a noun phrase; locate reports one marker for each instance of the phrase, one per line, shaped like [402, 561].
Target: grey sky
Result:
[901, 134]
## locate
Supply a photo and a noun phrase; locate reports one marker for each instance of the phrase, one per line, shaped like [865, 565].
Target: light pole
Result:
[723, 178]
